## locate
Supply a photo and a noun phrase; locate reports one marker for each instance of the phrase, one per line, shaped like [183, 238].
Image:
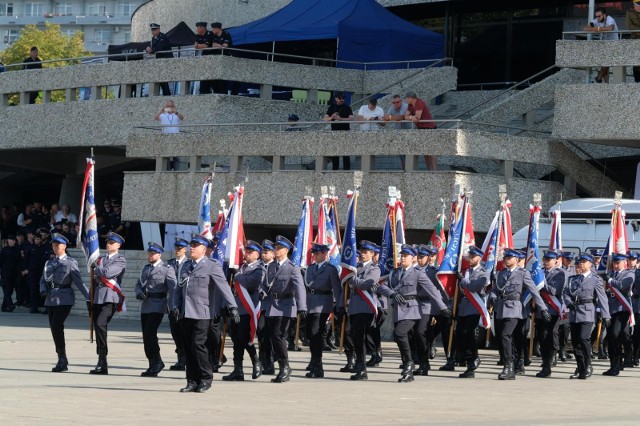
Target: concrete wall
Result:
[584, 54]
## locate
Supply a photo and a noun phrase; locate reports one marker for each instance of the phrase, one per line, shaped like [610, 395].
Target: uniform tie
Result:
[192, 267]
[507, 275]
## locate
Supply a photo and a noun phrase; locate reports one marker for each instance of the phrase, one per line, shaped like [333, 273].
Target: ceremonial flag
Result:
[304, 237]
[438, 239]
[386, 261]
[452, 262]
[555, 240]
[88, 233]
[533, 253]
[235, 231]
[469, 238]
[349, 259]
[490, 242]
[331, 234]
[618, 243]
[204, 215]
[399, 209]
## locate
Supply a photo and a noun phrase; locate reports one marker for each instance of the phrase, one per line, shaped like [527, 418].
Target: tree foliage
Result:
[52, 44]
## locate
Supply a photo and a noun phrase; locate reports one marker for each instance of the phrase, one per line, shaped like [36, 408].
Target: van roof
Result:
[595, 208]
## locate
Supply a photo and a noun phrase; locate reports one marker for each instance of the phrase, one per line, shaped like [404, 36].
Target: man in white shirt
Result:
[370, 112]
[169, 117]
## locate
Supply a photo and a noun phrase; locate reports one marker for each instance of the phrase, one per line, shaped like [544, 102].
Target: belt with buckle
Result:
[509, 297]
[421, 298]
[319, 292]
[60, 285]
[584, 302]
[281, 295]
[409, 297]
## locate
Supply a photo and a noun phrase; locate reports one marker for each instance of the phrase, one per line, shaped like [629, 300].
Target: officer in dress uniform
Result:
[249, 277]
[621, 279]
[361, 290]
[264, 337]
[59, 298]
[579, 296]
[161, 46]
[322, 283]
[505, 297]
[180, 247]
[555, 281]
[107, 297]
[219, 311]
[632, 262]
[287, 298]
[430, 302]
[157, 280]
[193, 301]
[567, 258]
[403, 286]
[474, 280]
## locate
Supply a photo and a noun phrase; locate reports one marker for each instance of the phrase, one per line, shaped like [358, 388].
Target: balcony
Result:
[103, 20]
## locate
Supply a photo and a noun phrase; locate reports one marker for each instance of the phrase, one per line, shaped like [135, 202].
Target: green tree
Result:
[51, 43]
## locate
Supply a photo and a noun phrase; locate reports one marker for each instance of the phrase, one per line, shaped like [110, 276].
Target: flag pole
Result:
[502, 192]
[537, 202]
[465, 210]
[357, 182]
[296, 340]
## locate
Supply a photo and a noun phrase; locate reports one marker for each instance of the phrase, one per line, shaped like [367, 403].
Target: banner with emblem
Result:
[385, 260]
[88, 233]
[533, 264]
[451, 263]
[490, 243]
[301, 255]
[555, 240]
[349, 258]
[204, 212]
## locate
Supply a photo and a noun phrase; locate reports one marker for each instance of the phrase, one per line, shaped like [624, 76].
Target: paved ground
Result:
[31, 394]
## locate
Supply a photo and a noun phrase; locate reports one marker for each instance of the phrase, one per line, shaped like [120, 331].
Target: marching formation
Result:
[219, 283]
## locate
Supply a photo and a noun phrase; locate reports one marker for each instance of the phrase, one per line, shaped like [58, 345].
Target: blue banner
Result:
[386, 249]
[349, 242]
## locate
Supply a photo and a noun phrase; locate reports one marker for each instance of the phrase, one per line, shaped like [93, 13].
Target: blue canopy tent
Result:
[365, 32]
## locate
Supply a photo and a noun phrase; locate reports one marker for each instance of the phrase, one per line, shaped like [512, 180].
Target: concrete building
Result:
[103, 22]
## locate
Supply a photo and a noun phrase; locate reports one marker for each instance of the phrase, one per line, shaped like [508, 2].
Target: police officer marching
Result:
[264, 337]
[287, 299]
[555, 280]
[246, 287]
[618, 287]
[505, 297]
[566, 258]
[474, 280]
[579, 296]
[403, 286]
[193, 304]
[632, 263]
[180, 247]
[157, 280]
[322, 283]
[108, 297]
[55, 287]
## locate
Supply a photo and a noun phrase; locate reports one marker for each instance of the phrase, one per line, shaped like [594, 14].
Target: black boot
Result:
[424, 368]
[519, 367]
[180, 364]
[450, 365]
[614, 370]
[563, 354]
[507, 372]
[283, 374]
[554, 361]
[586, 372]
[351, 364]
[432, 351]
[257, 367]
[237, 375]
[527, 360]
[309, 366]
[469, 373]
[62, 363]
[156, 367]
[546, 368]
[268, 369]
[602, 354]
[101, 367]
[407, 372]
[361, 371]
[146, 372]
[375, 360]
[317, 371]
[536, 349]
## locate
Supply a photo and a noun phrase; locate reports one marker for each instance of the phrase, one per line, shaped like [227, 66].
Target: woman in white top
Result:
[169, 117]
[66, 215]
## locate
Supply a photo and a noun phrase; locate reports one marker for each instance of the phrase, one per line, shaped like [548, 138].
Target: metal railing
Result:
[576, 34]
[230, 51]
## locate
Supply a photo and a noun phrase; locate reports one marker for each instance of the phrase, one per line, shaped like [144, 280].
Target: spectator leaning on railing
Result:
[608, 28]
[633, 23]
[419, 114]
[33, 62]
[370, 112]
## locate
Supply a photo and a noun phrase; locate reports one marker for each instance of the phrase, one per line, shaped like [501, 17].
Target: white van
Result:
[586, 224]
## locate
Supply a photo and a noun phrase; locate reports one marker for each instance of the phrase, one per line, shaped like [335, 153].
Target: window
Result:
[102, 36]
[68, 32]
[6, 9]
[10, 36]
[63, 9]
[127, 36]
[34, 9]
[125, 9]
[97, 9]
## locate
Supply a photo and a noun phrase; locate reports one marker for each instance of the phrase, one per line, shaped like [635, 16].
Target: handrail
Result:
[310, 124]
[574, 33]
[509, 89]
[126, 55]
[493, 83]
